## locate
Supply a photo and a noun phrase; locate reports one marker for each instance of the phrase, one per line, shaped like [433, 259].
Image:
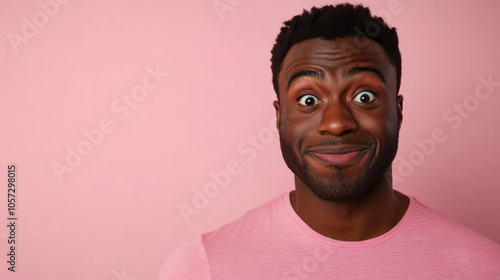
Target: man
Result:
[337, 74]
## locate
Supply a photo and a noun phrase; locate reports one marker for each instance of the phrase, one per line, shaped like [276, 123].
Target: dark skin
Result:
[339, 117]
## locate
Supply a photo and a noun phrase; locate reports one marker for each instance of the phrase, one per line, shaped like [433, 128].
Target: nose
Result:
[337, 119]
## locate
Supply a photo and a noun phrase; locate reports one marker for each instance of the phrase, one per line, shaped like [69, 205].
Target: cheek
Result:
[296, 128]
[382, 126]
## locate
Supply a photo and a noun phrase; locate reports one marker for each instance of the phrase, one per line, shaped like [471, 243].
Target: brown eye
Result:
[364, 97]
[308, 100]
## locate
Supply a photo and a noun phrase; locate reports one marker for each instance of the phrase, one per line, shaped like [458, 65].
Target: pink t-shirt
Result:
[272, 242]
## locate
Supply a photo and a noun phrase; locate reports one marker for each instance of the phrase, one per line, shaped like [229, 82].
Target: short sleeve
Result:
[188, 262]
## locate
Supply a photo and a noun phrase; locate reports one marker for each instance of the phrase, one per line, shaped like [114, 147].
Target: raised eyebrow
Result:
[317, 74]
[360, 69]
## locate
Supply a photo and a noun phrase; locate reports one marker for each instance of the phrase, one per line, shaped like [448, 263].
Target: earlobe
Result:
[400, 110]
[276, 105]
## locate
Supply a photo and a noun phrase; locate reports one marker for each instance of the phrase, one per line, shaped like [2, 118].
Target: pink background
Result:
[66, 67]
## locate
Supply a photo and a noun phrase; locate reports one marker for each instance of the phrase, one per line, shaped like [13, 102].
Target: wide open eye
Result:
[308, 100]
[364, 97]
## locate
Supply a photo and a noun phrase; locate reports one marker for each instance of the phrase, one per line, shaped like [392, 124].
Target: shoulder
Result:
[224, 245]
[255, 221]
[431, 226]
[187, 262]
[435, 222]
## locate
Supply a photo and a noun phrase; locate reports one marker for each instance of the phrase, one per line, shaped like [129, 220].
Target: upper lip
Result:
[343, 149]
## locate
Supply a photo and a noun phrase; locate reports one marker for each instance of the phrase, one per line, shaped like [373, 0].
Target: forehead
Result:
[337, 57]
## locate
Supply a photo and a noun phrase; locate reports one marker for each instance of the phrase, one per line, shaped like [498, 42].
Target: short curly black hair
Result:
[333, 22]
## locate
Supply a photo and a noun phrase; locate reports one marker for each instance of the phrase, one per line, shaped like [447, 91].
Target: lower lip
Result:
[338, 159]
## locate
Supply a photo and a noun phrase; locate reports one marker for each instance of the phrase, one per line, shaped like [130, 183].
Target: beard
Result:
[340, 186]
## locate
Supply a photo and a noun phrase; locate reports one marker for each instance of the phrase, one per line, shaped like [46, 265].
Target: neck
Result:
[369, 216]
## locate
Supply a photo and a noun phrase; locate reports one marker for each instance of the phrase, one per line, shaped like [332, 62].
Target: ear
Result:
[400, 110]
[276, 105]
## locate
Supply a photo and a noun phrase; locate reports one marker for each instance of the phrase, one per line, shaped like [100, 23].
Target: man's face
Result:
[338, 115]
